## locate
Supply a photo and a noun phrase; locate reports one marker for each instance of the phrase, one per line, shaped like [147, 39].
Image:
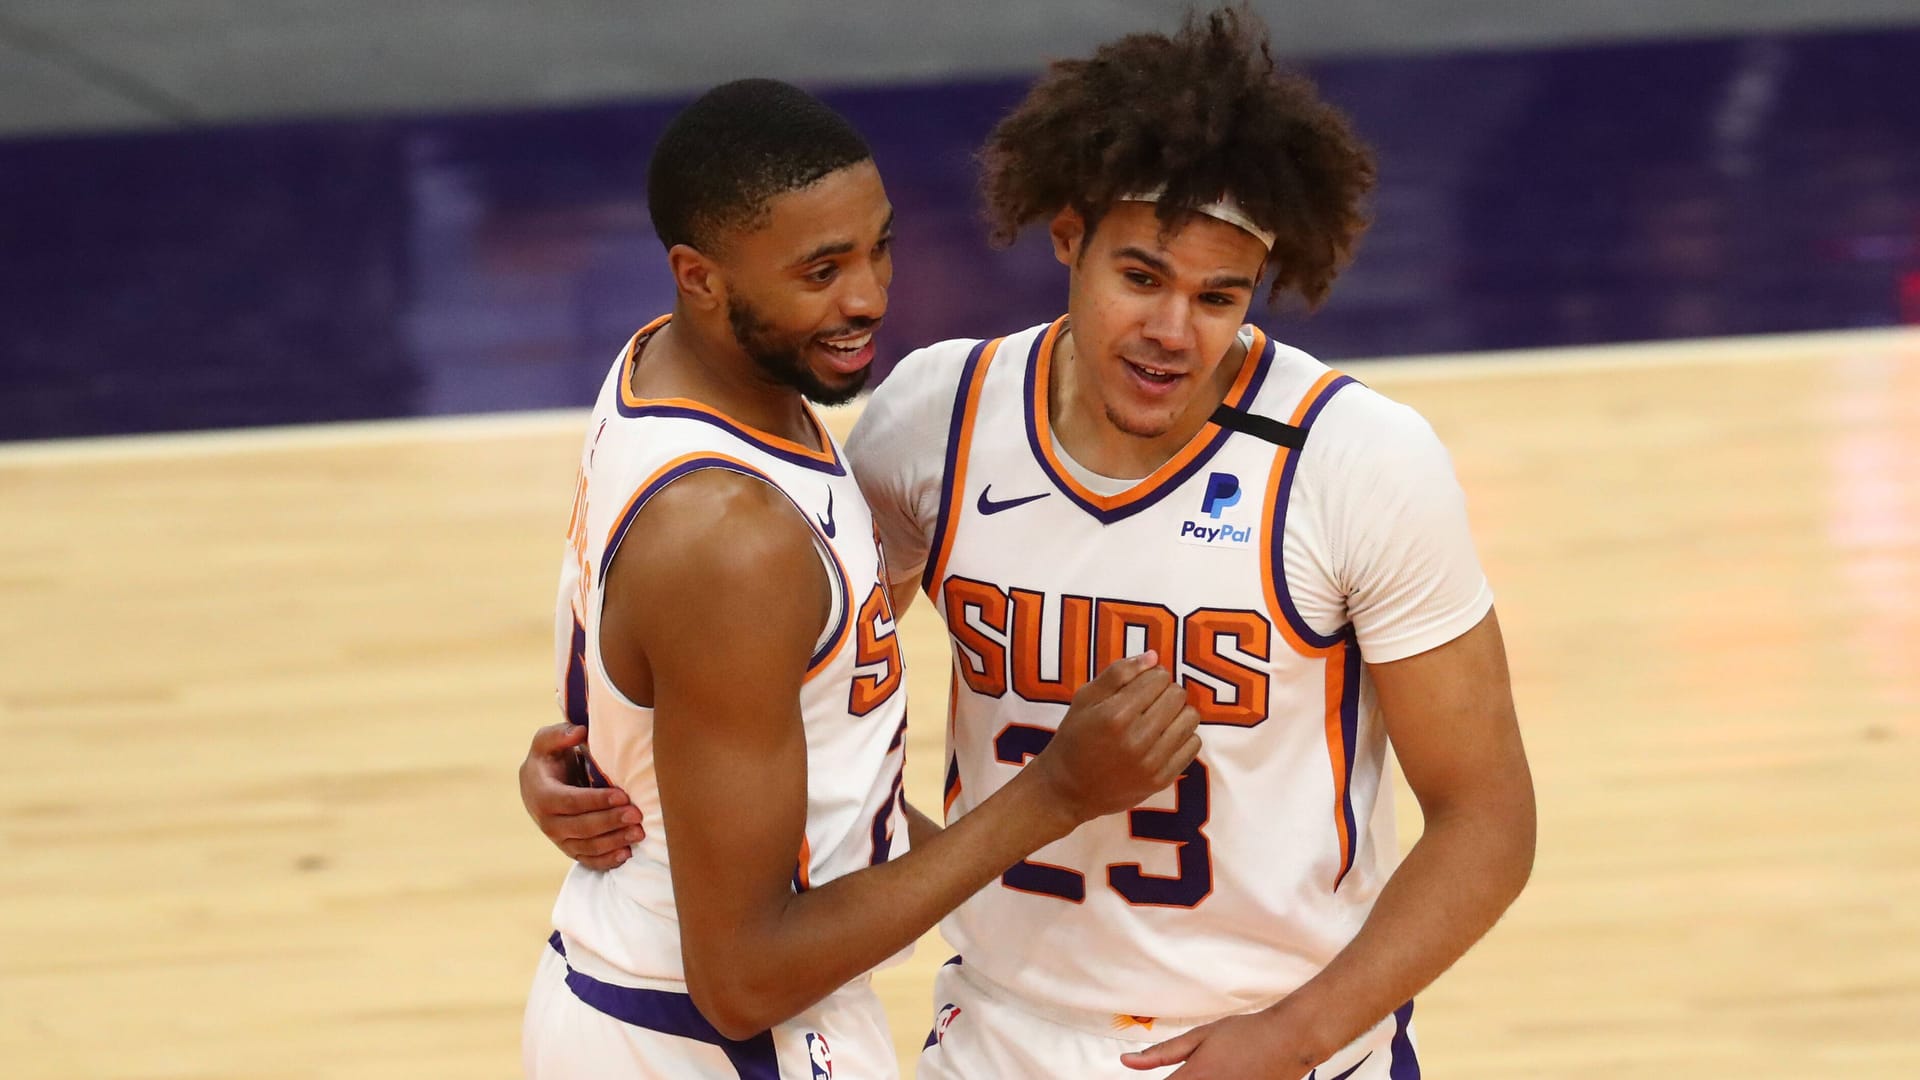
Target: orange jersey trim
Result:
[960, 447]
[1202, 441]
[1270, 513]
[631, 401]
[1339, 655]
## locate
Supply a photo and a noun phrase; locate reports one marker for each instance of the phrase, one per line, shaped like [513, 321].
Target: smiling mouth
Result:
[848, 354]
[1156, 376]
[848, 346]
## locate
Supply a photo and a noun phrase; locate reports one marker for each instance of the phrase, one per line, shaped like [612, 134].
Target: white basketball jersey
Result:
[621, 923]
[1235, 886]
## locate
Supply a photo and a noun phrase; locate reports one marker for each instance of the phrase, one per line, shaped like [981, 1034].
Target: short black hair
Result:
[737, 146]
[1204, 114]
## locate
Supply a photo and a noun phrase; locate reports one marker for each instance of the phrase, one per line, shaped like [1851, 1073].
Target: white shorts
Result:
[578, 1027]
[980, 1032]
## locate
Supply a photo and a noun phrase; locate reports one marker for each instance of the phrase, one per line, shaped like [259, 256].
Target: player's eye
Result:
[823, 273]
[1140, 278]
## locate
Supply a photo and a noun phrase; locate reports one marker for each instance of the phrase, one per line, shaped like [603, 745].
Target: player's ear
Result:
[1069, 231]
[697, 278]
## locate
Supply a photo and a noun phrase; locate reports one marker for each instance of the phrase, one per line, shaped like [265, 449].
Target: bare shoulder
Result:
[719, 536]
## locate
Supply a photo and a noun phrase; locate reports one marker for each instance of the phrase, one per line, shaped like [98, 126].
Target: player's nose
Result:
[1170, 323]
[865, 296]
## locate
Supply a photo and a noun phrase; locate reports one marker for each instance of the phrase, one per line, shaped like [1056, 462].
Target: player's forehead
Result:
[847, 208]
[1193, 244]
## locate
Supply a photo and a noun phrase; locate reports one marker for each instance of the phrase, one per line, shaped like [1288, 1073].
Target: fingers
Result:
[1120, 673]
[1181, 757]
[595, 823]
[547, 796]
[1161, 713]
[597, 841]
[1142, 691]
[607, 862]
[593, 826]
[1161, 1055]
[603, 844]
[1181, 720]
[549, 741]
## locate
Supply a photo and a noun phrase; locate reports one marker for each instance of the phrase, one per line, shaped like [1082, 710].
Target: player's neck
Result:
[684, 360]
[1080, 424]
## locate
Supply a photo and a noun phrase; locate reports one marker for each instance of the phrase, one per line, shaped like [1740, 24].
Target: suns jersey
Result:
[1231, 889]
[621, 923]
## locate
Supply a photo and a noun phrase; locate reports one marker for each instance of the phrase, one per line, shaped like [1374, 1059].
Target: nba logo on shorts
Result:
[1223, 490]
[948, 1014]
[819, 1056]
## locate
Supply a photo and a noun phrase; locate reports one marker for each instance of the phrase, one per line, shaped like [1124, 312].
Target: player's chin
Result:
[830, 386]
[1144, 420]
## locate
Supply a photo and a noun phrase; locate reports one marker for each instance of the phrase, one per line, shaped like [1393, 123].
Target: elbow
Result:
[1494, 836]
[732, 1004]
[1523, 839]
[732, 1013]
[1522, 866]
[1509, 820]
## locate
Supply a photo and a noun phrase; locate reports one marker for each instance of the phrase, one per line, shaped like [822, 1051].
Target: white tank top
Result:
[1238, 884]
[620, 925]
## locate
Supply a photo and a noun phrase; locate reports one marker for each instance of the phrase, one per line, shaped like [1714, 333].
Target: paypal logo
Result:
[1195, 532]
[1223, 490]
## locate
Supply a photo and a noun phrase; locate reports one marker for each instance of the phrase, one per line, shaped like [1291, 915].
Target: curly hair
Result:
[1204, 113]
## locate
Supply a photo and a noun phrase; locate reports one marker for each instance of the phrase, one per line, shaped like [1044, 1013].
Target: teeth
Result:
[853, 344]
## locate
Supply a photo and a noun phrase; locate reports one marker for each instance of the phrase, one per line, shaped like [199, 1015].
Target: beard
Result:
[1140, 427]
[782, 357]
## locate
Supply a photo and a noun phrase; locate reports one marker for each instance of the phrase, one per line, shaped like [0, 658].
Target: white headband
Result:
[1222, 209]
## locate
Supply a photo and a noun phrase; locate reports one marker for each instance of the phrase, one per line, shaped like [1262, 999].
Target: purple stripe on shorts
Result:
[1405, 1065]
[671, 1014]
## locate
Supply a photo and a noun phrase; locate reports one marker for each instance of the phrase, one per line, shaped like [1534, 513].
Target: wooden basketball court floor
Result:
[263, 695]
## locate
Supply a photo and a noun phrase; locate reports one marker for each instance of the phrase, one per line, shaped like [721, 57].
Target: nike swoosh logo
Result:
[1349, 1072]
[994, 506]
[826, 523]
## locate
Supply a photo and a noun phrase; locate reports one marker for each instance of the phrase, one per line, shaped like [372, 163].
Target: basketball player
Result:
[725, 636]
[1150, 472]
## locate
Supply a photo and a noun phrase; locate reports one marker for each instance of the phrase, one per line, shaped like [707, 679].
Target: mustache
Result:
[852, 326]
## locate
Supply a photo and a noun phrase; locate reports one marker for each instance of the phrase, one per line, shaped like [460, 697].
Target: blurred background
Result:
[341, 210]
[301, 303]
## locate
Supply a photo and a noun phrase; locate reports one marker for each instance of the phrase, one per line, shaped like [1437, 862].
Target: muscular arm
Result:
[920, 827]
[1388, 497]
[1449, 713]
[714, 617]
